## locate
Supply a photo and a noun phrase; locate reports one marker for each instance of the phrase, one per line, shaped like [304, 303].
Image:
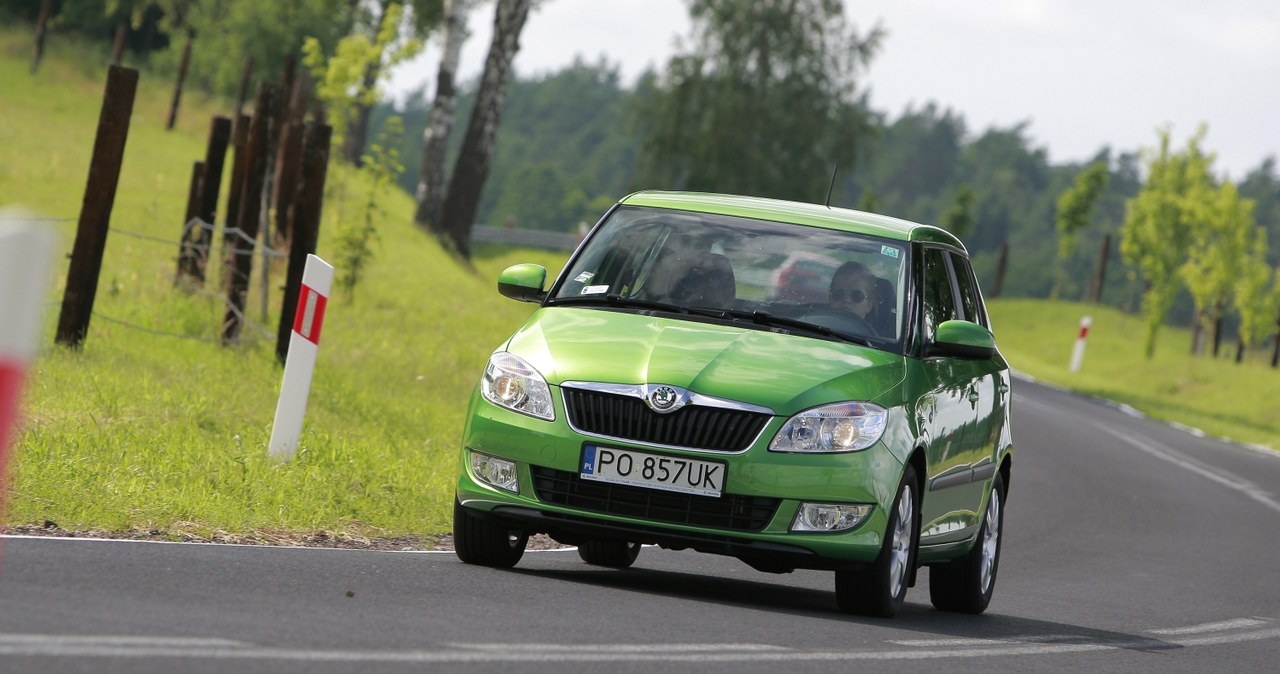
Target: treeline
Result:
[570, 141]
[737, 113]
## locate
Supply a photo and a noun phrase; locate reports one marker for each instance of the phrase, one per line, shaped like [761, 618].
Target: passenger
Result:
[851, 289]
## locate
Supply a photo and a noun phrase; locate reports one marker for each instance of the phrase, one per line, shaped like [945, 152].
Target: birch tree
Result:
[457, 214]
[431, 182]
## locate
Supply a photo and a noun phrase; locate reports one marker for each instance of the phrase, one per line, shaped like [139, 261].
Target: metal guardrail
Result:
[524, 237]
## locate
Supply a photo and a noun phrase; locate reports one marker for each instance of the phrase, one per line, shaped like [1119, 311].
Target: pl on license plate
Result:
[640, 469]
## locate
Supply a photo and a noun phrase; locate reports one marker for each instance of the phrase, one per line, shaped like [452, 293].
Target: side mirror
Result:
[962, 339]
[523, 282]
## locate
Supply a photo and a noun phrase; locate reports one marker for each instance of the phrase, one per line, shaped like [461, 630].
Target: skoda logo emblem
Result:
[664, 399]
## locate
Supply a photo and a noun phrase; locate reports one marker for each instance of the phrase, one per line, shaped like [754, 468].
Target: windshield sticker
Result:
[594, 290]
[890, 251]
[584, 276]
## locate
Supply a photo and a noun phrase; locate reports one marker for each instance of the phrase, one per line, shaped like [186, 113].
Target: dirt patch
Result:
[296, 539]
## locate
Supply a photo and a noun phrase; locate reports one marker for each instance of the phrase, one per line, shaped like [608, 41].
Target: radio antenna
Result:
[834, 168]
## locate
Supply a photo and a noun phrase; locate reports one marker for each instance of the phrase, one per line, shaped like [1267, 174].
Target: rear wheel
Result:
[966, 584]
[880, 589]
[486, 541]
[611, 553]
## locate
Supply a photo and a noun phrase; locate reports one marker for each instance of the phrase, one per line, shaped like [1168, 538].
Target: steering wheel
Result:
[839, 320]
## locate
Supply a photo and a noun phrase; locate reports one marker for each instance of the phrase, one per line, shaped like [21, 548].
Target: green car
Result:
[671, 390]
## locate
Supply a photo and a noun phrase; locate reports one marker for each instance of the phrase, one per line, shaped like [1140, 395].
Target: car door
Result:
[992, 384]
[956, 389]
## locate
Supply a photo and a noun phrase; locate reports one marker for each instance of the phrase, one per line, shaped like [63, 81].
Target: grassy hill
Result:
[154, 427]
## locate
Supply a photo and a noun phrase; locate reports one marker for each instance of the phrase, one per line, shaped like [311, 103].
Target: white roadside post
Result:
[26, 259]
[317, 279]
[1077, 354]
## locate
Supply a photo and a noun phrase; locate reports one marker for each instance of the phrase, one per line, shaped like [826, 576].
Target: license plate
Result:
[655, 471]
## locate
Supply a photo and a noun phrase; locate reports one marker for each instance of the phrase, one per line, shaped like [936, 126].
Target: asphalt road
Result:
[1130, 546]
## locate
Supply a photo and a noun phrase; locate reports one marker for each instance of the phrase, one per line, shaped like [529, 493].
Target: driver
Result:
[851, 288]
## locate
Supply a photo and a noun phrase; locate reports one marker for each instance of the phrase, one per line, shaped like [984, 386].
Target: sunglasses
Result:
[855, 296]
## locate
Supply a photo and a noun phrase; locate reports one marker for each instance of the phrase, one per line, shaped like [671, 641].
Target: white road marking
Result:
[1222, 626]
[1222, 477]
[41, 645]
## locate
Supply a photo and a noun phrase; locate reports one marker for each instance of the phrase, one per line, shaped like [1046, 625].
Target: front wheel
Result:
[486, 541]
[966, 584]
[610, 553]
[880, 590]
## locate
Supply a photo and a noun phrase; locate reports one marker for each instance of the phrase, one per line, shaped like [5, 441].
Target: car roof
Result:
[800, 213]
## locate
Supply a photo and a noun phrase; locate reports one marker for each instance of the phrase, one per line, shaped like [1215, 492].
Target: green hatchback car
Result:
[671, 390]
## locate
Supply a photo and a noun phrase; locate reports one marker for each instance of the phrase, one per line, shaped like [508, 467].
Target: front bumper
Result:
[751, 520]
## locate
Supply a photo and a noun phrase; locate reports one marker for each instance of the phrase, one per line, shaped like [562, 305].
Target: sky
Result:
[1083, 74]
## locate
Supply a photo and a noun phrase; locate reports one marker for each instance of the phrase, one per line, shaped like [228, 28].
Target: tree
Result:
[457, 215]
[959, 217]
[1157, 230]
[227, 31]
[764, 102]
[1074, 209]
[429, 197]
[347, 82]
[1250, 294]
[1222, 240]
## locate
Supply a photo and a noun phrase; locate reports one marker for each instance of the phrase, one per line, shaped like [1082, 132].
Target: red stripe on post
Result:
[10, 385]
[309, 315]
[1084, 331]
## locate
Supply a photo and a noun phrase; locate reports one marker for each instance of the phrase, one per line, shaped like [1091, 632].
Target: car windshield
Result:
[773, 275]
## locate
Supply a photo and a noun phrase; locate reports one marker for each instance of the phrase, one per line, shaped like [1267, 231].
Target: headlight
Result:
[511, 383]
[842, 427]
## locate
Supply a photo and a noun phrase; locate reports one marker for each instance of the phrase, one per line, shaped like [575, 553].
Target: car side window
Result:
[968, 290]
[939, 300]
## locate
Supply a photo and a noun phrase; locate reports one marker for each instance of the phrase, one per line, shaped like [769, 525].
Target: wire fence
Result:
[256, 330]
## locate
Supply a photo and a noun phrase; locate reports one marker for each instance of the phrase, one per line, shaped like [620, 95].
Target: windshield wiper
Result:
[615, 300]
[768, 319]
[757, 317]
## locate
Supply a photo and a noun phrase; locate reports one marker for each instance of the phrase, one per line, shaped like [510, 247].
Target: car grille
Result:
[693, 427]
[730, 511]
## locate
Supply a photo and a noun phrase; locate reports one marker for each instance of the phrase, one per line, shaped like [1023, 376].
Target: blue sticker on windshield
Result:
[890, 251]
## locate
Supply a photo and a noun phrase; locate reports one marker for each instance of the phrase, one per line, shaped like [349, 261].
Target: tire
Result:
[611, 553]
[965, 585]
[486, 541]
[879, 590]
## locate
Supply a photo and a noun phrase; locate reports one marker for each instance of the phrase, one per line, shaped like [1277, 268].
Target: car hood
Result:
[786, 373]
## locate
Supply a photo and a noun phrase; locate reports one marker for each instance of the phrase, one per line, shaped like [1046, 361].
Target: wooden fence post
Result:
[214, 160]
[186, 247]
[239, 262]
[1275, 345]
[117, 46]
[46, 10]
[95, 211]
[239, 162]
[304, 217]
[177, 87]
[246, 73]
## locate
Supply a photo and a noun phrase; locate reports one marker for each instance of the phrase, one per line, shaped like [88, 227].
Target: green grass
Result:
[154, 432]
[1241, 402]
[142, 431]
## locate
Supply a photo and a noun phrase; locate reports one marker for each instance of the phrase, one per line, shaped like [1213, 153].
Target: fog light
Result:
[495, 472]
[829, 517]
